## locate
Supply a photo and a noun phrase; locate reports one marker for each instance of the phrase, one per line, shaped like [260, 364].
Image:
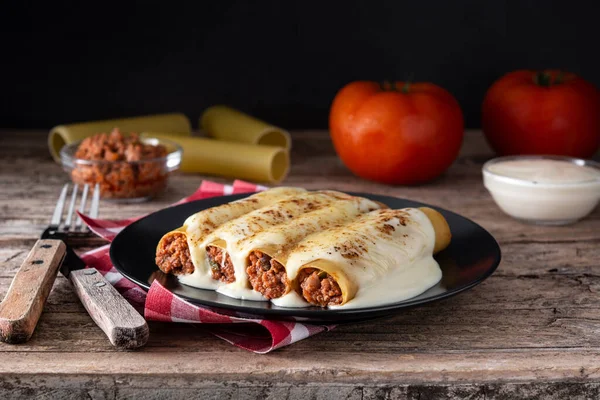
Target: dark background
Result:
[279, 60]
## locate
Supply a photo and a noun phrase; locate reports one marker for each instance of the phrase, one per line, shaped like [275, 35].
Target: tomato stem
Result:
[406, 87]
[393, 87]
[542, 78]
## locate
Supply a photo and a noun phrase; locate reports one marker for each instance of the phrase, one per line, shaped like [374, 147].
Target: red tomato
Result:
[548, 112]
[405, 133]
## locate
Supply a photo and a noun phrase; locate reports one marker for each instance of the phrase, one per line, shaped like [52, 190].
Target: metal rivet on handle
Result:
[37, 262]
[46, 246]
[100, 284]
[89, 271]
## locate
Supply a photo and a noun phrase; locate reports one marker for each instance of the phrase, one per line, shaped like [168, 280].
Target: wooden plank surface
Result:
[532, 330]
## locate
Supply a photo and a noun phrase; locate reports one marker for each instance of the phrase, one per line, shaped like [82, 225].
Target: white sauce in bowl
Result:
[545, 171]
[543, 189]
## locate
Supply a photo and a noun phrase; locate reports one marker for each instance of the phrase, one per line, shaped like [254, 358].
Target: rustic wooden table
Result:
[530, 331]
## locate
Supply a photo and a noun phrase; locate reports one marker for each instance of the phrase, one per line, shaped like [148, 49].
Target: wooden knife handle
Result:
[21, 308]
[123, 325]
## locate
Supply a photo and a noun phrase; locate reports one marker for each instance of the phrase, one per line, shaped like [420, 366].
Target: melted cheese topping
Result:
[389, 253]
[283, 238]
[240, 235]
[198, 226]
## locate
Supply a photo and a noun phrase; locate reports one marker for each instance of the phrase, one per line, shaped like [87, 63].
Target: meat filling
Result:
[266, 275]
[123, 166]
[220, 269]
[173, 255]
[319, 288]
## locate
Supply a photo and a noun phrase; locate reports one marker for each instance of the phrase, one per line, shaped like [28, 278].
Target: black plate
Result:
[473, 255]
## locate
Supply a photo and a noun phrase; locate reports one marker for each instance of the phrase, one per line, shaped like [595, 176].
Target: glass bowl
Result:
[529, 195]
[124, 181]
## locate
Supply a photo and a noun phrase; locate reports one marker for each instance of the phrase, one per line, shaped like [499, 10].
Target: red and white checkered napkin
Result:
[257, 335]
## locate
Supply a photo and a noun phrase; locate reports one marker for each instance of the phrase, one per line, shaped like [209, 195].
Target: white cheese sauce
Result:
[238, 291]
[545, 171]
[398, 285]
[238, 231]
[283, 237]
[291, 300]
[199, 278]
[198, 226]
[543, 190]
[395, 264]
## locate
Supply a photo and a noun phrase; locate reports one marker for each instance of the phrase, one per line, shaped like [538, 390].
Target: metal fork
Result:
[59, 226]
[21, 308]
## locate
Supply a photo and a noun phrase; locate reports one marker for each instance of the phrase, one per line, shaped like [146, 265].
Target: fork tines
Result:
[72, 223]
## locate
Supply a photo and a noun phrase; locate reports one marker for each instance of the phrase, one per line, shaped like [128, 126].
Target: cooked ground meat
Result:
[127, 175]
[173, 256]
[220, 269]
[319, 287]
[116, 147]
[266, 275]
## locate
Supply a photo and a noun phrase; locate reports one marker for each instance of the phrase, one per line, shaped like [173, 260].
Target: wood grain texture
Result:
[530, 331]
[124, 326]
[22, 306]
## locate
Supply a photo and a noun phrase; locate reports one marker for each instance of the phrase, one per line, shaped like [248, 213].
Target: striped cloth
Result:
[158, 304]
